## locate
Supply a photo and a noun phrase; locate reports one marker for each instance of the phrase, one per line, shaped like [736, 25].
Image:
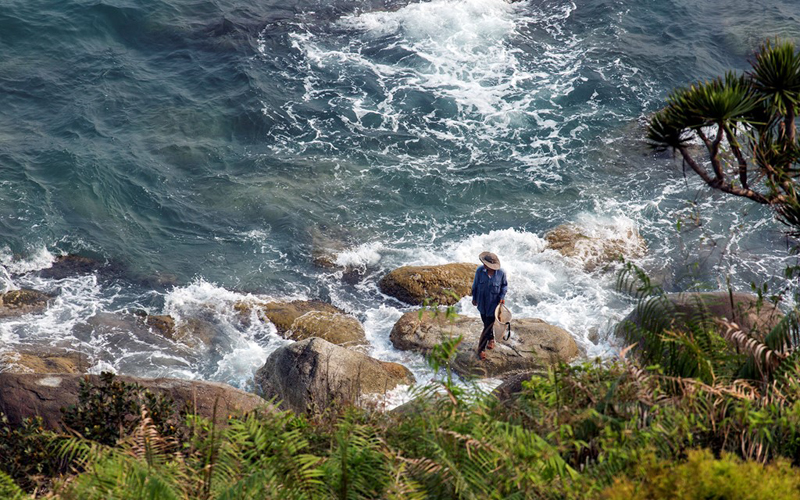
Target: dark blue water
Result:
[207, 150]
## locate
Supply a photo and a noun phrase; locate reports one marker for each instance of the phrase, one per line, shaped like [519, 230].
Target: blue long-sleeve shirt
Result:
[488, 292]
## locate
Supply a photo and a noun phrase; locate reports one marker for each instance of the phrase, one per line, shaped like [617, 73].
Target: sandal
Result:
[490, 345]
[482, 355]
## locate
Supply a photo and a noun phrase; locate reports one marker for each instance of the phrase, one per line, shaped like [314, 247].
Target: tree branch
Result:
[694, 166]
[737, 152]
[715, 163]
[719, 184]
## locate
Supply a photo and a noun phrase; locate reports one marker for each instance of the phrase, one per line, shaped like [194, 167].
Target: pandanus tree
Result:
[738, 133]
[747, 124]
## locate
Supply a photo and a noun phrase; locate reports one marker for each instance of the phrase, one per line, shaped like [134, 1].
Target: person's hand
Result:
[474, 302]
[502, 301]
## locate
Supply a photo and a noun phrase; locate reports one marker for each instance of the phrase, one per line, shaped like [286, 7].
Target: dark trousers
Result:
[488, 332]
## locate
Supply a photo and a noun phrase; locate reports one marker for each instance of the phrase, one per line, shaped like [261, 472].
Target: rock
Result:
[421, 404]
[162, 323]
[595, 251]
[196, 332]
[512, 385]
[283, 314]
[324, 259]
[336, 328]
[313, 374]
[593, 335]
[70, 265]
[678, 308]
[44, 362]
[533, 344]
[18, 302]
[28, 395]
[414, 284]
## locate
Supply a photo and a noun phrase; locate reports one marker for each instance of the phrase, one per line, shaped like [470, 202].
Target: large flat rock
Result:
[44, 360]
[534, 343]
[29, 395]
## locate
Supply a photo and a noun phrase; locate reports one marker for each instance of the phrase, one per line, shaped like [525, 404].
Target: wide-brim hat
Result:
[490, 260]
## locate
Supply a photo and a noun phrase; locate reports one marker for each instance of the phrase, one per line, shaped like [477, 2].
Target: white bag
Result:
[502, 322]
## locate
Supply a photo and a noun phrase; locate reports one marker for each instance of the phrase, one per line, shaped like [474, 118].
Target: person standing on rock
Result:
[488, 291]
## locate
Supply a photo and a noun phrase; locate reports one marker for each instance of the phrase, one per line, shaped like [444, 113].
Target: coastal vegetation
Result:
[591, 430]
[694, 408]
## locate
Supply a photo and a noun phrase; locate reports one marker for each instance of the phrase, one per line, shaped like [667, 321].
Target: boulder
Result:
[44, 362]
[162, 323]
[512, 385]
[676, 310]
[533, 343]
[336, 328]
[414, 284]
[595, 251]
[283, 314]
[28, 395]
[313, 374]
[18, 302]
[70, 265]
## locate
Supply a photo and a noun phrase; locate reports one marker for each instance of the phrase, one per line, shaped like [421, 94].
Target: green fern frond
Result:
[9, 489]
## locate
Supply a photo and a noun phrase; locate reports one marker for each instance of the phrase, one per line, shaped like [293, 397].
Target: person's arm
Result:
[475, 287]
[503, 288]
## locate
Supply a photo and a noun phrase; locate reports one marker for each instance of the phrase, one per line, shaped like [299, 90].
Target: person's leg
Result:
[488, 322]
[487, 334]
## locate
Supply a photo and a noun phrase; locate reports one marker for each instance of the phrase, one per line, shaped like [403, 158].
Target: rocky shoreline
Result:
[328, 362]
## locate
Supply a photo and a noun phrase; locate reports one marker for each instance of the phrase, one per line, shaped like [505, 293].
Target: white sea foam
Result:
[361, 256]
[39, 259]
[461, 55]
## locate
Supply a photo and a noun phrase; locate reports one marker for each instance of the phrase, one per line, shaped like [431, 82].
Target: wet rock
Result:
[313, 374]
[70, 265]
[324, 260]
[48, 361]
[18, 302]
[512, 385]
[326, 243]
[28, 395]
[196, 332]
[421, 404]
[595, 252]
[163, 324]
[283, 314]
[336, 328]
[677, 310]
[533, 344]
[414, 284]
[593, 335]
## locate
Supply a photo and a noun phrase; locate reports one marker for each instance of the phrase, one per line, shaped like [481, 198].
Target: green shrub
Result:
[28, 456]
[702, 476]
[111, 409]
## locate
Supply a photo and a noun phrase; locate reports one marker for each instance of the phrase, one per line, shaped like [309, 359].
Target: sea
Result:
[206, 152]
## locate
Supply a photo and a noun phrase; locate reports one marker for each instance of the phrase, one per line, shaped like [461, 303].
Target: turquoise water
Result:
[207, 149]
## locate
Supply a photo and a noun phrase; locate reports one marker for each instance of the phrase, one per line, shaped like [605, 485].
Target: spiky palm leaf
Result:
[667, 130]
[727, 101]
[776, 75]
